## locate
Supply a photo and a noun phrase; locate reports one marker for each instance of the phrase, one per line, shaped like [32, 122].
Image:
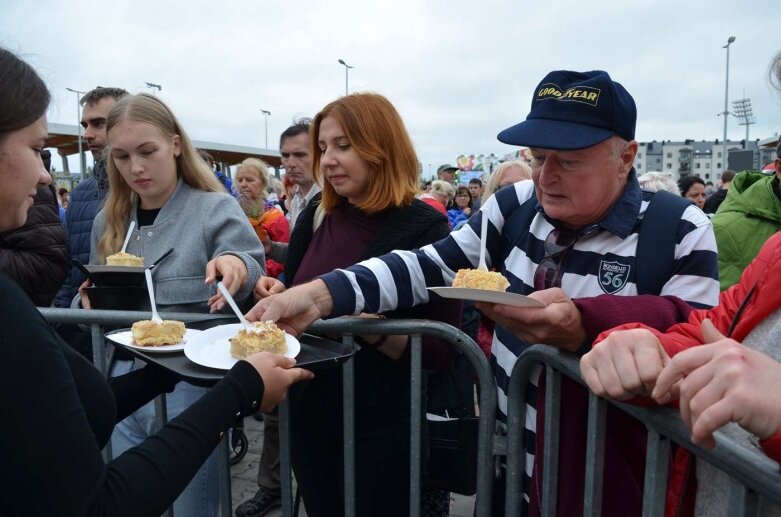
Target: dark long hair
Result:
[23, 95]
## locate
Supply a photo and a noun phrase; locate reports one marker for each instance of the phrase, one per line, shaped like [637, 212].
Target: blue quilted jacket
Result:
[86, 200]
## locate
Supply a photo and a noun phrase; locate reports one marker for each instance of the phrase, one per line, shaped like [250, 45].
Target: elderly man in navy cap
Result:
[576, 239]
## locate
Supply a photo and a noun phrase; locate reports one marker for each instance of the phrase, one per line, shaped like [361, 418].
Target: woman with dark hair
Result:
[461, 208]
[693, 188]
[58, 409]
[366, 162]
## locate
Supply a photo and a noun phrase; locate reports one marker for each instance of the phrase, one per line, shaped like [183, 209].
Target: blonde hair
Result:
[496, 176]
[443, 188]
[375, 130]
[258, 166]
[654, 181]
[190, 167]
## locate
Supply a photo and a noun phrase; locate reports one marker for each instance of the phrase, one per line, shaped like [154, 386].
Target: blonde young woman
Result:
[265, 216]
[158, 180]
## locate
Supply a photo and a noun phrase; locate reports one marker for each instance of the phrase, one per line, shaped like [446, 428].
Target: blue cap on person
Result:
[575, 110]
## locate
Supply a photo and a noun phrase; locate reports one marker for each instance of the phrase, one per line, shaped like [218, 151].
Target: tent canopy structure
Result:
[65, 138]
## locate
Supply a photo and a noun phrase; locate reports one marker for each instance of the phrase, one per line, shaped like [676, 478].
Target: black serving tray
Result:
[316, 353]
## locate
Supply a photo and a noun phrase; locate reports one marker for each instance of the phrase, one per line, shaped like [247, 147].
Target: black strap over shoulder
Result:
[656, 241]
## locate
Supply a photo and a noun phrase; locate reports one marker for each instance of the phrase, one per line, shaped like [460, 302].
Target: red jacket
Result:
[764, 300]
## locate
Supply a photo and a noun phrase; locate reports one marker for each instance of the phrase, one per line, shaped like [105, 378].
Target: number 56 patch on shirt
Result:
[613, 275]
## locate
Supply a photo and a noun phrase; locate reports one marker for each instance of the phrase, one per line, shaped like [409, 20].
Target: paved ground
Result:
[244, 475]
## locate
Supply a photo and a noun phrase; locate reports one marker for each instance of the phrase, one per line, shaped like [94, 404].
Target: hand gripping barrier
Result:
[756, 479]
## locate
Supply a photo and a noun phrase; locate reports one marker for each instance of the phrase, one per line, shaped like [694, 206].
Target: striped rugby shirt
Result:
[400, 278]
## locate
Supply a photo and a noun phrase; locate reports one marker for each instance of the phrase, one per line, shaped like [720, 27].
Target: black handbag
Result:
[452, 442]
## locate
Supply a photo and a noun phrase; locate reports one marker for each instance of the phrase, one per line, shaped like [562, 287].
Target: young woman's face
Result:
[341, 164]
[21, 170]
[146, 159]
[249, 182]
[697, 194]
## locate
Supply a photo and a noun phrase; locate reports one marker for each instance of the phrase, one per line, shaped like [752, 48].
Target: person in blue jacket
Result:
[461, 207]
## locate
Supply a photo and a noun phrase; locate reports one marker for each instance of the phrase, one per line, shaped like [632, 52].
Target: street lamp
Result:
[153, 87]
[346, 74]
[82, 161]
[726, 111]
[266, 115]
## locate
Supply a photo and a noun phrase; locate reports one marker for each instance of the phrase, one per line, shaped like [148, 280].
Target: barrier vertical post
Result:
[415, 426]
[550, 473]
[348, 410]
[657, 459]
[595, 456]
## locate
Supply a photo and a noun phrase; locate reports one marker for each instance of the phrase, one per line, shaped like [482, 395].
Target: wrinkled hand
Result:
[295, 309]
[266, 286]
[625, 365]
[556, 324]
[85, 303]
[234, 274]
[720, 382]
[278, 375]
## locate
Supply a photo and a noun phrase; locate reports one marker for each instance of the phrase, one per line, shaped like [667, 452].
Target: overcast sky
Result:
[458, 71]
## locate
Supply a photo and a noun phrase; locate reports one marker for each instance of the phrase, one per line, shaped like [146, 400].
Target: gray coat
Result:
[199, 226]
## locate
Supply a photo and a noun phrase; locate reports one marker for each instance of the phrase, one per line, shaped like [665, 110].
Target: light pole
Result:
[153, 87]
[82, 161]
[346, 75]
[266, 115]
[725, 164]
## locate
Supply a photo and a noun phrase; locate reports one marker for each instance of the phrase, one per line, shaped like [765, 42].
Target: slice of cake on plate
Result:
[265, 336]
[124, 259]
[478, 279]
[152, 333]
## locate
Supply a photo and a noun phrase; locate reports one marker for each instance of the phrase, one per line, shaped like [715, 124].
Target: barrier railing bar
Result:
[224, 476]
[748, 466]
[657, 460]
[348, 419]
[415, 425]
[285, 470]
[742, 501]
[595, 456]
[476, 357]
[350, 325]
[550, 473]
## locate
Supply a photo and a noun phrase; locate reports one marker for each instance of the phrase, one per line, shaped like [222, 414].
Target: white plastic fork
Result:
[150, 287]
[127, 237]
[483, 232]
[232, 303]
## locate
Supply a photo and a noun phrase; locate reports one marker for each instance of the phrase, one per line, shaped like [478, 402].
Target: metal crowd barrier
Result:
[756, 478]
[347, 327]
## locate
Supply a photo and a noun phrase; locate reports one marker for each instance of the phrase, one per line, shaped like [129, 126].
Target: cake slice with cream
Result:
[265, 336]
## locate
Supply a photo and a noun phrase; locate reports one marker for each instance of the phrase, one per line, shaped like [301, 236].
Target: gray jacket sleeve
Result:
[228, 232]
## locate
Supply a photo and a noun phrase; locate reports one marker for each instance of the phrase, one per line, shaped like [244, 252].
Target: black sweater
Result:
[57, 412]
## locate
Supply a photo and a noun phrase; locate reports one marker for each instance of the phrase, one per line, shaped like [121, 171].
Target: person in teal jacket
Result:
[750, 214]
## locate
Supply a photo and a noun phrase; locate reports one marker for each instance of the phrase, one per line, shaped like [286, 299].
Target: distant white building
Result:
[704, 158]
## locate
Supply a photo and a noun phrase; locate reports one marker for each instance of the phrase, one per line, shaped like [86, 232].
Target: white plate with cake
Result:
[484, 286]
[125, 337]
[222, 347]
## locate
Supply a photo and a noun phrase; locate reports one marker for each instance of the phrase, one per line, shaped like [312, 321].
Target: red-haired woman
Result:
[365, 160]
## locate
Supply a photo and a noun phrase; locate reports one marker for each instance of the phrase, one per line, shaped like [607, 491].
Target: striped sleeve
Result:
[400, 279]
[695, 277]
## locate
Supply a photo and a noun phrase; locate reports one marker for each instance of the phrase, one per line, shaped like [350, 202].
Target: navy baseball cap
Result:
[575, 110]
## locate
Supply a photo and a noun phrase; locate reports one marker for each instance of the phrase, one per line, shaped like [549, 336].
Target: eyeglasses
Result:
[557, 244]
[462, 195]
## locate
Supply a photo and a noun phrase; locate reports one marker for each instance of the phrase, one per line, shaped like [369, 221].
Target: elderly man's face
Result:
[448, 175]
[578, 188]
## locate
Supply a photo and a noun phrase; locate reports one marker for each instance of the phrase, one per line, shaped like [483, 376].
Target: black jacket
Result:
[35, 254]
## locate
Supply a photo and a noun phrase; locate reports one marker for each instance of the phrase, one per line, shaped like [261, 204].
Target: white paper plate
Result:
[124, 337]
[484, 295]
[212, 347]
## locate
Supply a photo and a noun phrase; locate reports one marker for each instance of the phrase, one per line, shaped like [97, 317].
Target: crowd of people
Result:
[351, 231]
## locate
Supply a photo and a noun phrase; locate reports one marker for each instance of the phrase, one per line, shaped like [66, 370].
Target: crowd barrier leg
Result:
[742, 501]
[348, 416]
[415, 425]
[550, 474]
[224, 475]
[657, 462]
[595, 456]
[285, 470]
